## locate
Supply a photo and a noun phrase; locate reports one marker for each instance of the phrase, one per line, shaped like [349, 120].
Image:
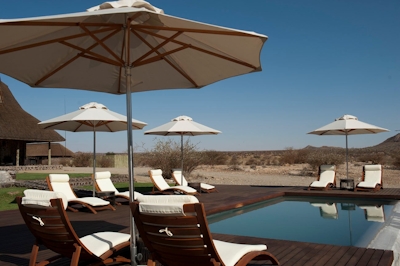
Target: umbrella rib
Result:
[217, 32]
[91, 55]
[56, 70]
[200, 49]
[98, 58]
[15, 49]
[100, 42]
[155, 49]
[162, 56]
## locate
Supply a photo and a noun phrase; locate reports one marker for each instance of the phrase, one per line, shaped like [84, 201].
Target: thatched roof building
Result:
[42, 149]
[37, 153]
[17, 128]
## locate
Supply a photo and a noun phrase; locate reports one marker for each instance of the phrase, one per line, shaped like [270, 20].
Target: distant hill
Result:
[392, 144]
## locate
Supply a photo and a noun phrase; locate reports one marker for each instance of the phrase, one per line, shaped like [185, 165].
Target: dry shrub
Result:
[82, 159]
[105, 161]
[374, 157]
[396, 161]
[214, 157]
[65, 161]
[292, 156]
[166, 155]
[319, 157]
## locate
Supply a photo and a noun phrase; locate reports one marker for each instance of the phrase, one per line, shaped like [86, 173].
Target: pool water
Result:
[344, 222]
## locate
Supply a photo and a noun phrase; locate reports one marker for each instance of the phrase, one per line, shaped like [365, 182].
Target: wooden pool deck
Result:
[17, 241]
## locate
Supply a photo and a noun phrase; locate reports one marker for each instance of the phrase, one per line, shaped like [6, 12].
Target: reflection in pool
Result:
[345, 222]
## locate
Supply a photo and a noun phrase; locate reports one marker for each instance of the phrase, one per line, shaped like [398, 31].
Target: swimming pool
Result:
[345, 222]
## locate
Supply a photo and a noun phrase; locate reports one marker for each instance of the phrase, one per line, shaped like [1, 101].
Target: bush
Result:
[105, 161]
[292, 156]
[214, 157]
[374, 157]
[318, 157]
[65, 161]
[396, 161]
[166, 155]
[82, 159]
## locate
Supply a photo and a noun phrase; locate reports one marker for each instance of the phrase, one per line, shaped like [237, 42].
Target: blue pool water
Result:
[345, 222]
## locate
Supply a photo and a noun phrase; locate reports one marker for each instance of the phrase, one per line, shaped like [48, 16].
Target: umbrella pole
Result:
[182, 159]
[347, 158]
[130, 142]
[94, 159]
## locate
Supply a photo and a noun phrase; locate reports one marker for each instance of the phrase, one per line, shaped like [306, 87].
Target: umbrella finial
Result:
[127, 3]
[347, 117]
[93, 105]
[182, 118]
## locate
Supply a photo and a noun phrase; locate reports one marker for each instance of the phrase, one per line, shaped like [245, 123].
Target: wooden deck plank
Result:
[375, 258]
[16, 250]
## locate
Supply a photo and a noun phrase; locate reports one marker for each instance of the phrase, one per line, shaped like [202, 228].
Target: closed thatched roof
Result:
[42, 149]
[16, 124]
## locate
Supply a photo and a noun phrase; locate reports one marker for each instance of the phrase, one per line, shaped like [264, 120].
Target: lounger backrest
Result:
[184, 239]
[373, 173]
[103, 181]
[327, 173]
[50, 225]
[177, 175]
[60, 183]
[158, 179]
[43, 197]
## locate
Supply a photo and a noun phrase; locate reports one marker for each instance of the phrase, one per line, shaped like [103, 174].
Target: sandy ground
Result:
[291, 175]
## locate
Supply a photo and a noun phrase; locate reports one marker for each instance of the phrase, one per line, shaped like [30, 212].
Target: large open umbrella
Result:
[182, 126]
[91, 117]
[347, 125]
[123, 47]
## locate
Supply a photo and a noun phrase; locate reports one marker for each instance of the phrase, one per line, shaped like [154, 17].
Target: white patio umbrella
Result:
[182, 126]
[91, 117]
[347, 125]
[123, 47]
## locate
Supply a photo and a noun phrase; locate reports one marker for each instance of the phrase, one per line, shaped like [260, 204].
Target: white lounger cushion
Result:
[327, 175]
[42, 197]
[165, 204]
[103, 180]
[178, 178]
[60, 183]
[372, 176]
[163, 185]
[231, 253]
[99, 243]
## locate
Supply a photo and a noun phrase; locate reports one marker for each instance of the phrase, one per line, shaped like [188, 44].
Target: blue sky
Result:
[323, 59]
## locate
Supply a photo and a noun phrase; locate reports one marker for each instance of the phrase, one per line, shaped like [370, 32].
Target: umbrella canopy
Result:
[123, 47]
[91, 117]
[347, 125]
[183, 126]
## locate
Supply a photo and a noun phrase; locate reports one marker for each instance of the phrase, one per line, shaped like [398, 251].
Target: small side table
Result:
[347, 183]
[106, 195]
[196, 186]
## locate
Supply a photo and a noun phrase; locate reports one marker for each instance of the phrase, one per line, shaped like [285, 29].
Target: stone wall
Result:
[31, 167]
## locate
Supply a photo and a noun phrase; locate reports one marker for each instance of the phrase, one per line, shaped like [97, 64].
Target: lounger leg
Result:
[76, 255]
[34, 252]
[151, 262]
[72, 209]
